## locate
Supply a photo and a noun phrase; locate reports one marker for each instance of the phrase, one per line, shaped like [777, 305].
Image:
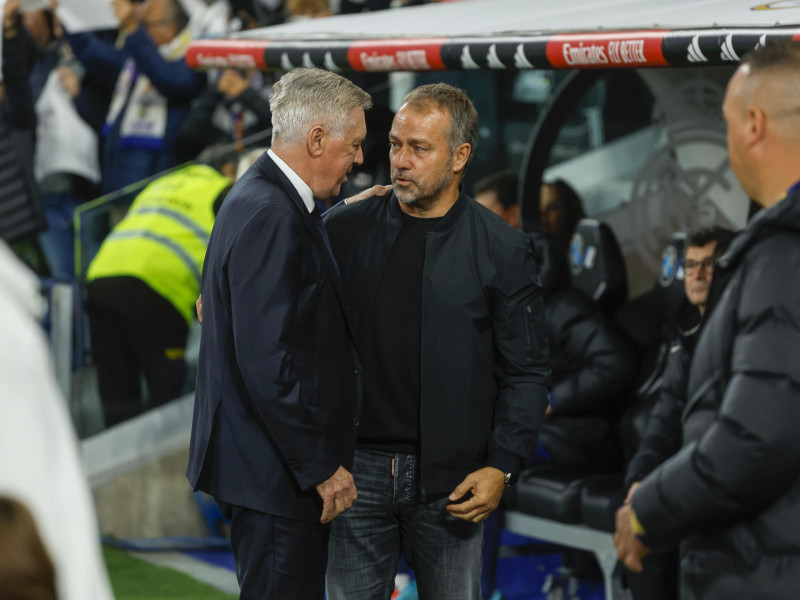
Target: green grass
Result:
[134, 579]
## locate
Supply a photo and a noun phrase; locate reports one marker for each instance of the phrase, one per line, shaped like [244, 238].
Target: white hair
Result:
[304, 98]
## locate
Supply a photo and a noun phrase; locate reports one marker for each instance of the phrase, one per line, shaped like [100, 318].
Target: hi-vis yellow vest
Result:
[163, 238]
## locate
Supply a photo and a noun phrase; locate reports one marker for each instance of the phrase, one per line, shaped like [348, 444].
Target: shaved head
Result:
[770, 80]
[762, 110]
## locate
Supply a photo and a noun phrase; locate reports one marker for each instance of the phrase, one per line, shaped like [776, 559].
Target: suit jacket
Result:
[278, 391]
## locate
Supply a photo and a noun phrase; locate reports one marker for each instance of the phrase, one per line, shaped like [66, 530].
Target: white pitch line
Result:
[219, 577]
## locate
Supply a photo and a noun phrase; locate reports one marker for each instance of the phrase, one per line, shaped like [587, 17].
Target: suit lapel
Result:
[274, 173]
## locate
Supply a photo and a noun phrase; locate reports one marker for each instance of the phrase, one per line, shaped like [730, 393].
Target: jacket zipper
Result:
[528, 312]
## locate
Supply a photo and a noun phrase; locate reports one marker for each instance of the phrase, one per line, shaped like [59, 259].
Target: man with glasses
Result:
[731, 495]
[662, 439]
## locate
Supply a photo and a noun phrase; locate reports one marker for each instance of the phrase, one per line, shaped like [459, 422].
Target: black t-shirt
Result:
[391, 347]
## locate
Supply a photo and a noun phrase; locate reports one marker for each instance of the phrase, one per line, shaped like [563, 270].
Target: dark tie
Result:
[317, 218]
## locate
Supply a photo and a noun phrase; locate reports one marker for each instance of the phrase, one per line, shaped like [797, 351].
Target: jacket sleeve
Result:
[604, 362]
[16, 68]
[520, 362]
[663, 435]
[175, 79]
[750, 454]
[96, 54]
[264, 272]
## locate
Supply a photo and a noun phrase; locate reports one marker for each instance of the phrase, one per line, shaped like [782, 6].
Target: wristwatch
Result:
[509, 479]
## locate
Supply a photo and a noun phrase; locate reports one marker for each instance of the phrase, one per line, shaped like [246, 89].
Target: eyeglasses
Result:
[694, 265]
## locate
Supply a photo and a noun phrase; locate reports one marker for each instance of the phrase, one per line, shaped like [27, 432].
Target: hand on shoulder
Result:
[375, 190]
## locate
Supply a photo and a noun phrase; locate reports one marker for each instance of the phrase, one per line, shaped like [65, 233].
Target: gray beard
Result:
[424, 198]
[415, 202]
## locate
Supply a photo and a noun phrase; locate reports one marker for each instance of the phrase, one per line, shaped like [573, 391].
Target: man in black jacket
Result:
[592, 363]
[448, 315]
[592, 366]
[732, 493]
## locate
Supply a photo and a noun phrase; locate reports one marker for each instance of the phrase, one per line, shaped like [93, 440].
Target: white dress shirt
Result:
[301, 186]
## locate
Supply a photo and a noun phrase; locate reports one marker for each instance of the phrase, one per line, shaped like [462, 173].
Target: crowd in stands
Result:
[102, 114]
[89, 113]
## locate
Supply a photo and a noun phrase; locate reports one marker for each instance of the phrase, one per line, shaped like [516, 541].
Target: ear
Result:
[756, 125]
[460, 157]
[316, 140]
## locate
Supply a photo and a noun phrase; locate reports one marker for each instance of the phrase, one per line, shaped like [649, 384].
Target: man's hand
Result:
[375, 190]
[10, 13]
[232, 84]
[69, 80]
[338, 493]
[198, 306]
[487, 486]
[126, 14]
[631, 489]
[630, 549]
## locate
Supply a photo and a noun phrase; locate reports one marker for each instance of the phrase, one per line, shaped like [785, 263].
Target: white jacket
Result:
[40, 463]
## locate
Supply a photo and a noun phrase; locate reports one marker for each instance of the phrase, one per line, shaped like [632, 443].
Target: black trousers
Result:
[277, 558]
[134, 332]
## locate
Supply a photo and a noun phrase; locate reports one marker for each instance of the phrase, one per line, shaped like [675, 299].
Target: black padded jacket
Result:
[732, 493]
[593, 367]
[662, 438]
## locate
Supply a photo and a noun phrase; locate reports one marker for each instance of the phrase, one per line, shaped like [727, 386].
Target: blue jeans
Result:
[390, 518]
[58, 242]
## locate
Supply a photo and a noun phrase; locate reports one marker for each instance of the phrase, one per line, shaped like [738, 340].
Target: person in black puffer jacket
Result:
[593, 364]
[593, 367]
[662, 438]
[732, 493]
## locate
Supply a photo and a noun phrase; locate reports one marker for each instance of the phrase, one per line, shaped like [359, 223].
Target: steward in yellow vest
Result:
[163, 238]
[143, 283]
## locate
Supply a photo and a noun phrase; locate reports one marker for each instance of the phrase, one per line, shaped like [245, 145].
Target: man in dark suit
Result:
[278, 391]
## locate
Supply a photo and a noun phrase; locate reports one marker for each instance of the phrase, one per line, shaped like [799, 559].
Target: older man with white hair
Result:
[278, 389]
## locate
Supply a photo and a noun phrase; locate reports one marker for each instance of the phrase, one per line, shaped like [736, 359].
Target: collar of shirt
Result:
[301, 186]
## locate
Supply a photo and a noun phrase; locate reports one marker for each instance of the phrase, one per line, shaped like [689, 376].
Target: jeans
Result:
[389, 518]
[58, 242]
